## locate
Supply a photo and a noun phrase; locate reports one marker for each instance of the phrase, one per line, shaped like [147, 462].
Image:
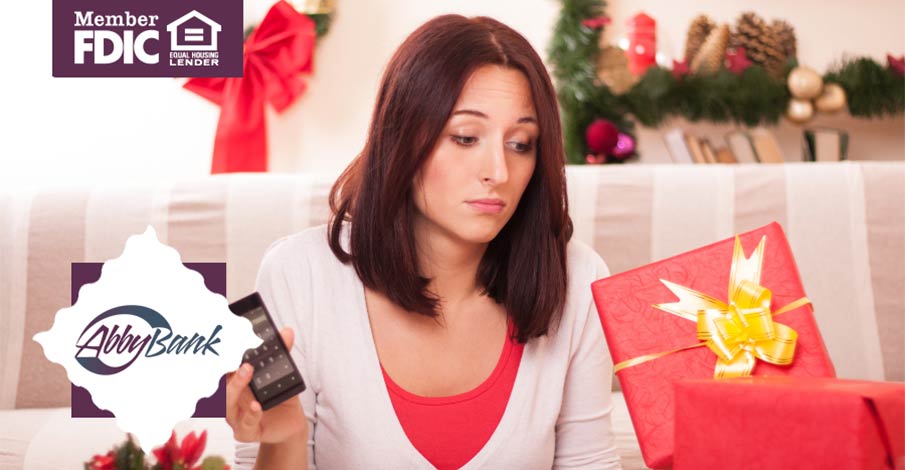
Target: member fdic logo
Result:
[140, 38]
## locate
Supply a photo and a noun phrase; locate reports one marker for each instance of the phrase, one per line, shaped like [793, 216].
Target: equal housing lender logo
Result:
[145, 38]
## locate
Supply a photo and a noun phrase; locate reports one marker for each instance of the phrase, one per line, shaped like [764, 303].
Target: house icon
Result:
[193, 32]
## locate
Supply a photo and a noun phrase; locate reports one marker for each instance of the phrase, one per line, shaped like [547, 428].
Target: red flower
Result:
[595, 23]
[185, 455]
[168, 453]
[896, 63]
[103, 462]
[737, 61]
[192, 447]
[680, 69]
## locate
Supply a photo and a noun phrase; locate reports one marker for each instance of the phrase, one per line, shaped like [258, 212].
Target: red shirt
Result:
[450, 431]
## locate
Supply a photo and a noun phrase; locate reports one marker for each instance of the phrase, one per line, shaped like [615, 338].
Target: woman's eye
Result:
[464, 139]
[521, 147]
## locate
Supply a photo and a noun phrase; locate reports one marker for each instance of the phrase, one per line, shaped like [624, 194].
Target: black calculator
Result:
[276, 378]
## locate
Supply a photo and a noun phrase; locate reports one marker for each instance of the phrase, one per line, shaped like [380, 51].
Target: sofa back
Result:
[845, 222]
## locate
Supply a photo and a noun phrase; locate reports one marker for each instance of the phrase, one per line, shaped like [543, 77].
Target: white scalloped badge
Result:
[148, 339]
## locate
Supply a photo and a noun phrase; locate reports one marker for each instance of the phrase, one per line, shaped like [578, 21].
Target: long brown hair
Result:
[524, 266]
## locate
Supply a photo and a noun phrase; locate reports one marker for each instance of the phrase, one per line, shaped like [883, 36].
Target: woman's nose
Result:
[495, 168]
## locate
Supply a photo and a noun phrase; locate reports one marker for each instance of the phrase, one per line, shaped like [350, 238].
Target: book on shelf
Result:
[766, 147]
[678, 149]
[725, 155]
[694, 146]
[709, 152]
[740, 144]
[824, 144]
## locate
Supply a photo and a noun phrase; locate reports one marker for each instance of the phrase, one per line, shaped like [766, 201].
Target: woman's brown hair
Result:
[524, 266]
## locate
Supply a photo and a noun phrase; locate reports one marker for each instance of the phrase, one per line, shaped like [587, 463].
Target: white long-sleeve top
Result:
[558, 415]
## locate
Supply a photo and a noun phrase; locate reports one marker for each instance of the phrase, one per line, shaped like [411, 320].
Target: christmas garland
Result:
[320, 11]
[747, 94]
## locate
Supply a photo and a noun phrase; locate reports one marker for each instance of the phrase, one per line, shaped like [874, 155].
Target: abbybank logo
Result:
[146, 323]
[132, 38]
[117, 337]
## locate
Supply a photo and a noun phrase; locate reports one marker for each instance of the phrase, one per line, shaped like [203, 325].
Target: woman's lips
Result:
[487, 206]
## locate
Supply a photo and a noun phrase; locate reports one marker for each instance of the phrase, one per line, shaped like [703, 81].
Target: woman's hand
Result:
[248, 420]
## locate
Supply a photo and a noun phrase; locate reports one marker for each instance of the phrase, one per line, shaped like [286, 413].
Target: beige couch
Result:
[845, 222]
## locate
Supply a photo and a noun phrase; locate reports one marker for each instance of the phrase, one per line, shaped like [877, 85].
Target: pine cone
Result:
[761, 45]
[749, 29]
[697, 33]
[774, 57]
[710, 57]
[785, 35]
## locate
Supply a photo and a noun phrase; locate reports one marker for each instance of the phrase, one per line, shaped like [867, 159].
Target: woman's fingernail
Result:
[245, 371]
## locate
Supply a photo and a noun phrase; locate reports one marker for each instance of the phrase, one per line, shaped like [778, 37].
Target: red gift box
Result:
[789, 422]
[636, 328]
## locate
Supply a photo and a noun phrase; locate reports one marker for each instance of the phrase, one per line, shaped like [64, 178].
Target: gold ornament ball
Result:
[800, 110]
[313, 7]
[831, 100]
[805, 83]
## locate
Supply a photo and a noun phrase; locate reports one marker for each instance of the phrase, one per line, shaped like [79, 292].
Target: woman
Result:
[444, 319]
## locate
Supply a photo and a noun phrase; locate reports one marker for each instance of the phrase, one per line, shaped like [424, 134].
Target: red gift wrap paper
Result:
[799, 423]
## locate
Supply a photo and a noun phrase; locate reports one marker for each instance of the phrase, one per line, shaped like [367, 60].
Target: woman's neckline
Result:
[485, 385]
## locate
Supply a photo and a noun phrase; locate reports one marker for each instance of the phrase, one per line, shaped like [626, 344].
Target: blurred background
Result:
[59, 130]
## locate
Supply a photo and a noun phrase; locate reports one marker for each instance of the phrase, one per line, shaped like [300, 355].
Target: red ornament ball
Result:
[601, 136]
[625, 147]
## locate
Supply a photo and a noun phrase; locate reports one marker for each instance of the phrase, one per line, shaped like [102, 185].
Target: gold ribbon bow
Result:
[739, 332]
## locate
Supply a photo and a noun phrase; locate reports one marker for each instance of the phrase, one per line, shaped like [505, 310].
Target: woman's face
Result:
[471, 183]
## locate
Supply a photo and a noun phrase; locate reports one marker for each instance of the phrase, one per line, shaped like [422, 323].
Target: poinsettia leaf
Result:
[188, 443]
[191, 454]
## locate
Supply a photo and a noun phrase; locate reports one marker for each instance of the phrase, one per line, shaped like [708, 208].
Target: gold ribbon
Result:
[739, 332]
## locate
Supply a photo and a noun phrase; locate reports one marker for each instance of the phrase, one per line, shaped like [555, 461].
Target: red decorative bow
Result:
[276, 53]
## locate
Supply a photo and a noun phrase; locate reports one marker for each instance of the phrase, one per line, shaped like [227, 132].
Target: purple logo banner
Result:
[144, 38]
